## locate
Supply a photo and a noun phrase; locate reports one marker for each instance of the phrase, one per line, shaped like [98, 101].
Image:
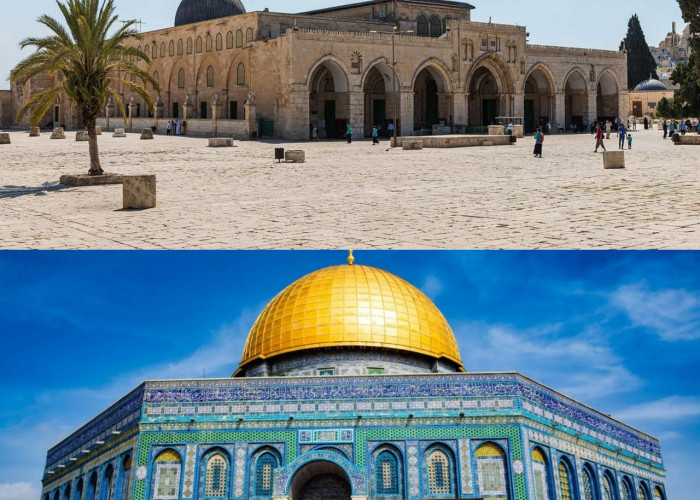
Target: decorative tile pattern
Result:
[492, 477]
[465, 466]
[413, 469]
[239, 471]
[188, 484]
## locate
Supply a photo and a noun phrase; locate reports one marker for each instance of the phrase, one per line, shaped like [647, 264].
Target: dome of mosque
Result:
[194, 11]
[351, 306]
[650, 85]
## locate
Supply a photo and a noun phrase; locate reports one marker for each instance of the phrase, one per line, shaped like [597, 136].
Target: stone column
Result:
[461, 108]
[356, 113]
[158, 111]
[592, 106]
[406, 115]
[216, 111]
[108, 111]
[186, 108]
[624, 104]
[560, 117]
[251, 118]
[518, 105]
[132, 110]
[294, 116]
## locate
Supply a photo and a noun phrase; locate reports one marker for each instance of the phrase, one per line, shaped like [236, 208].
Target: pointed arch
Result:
[239, 38]
[539, 90]
[171, 48]
[566, 480]
[439, 470]
[249, 35]
[589, 484]
[609, 486]
[229, 40]
[626, 490]
[179, 47]
[208, 43]
[125, 477]
[494, 64]
[575, 87]
[387, 477]
[215, 467]
[219, 41]
[491, 462]
[336, 67]
[264, 461]
[167, 477]
[541, 474]
[607, 95]
[422, 25]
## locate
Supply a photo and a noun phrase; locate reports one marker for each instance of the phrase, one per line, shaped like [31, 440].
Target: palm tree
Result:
[90, 63]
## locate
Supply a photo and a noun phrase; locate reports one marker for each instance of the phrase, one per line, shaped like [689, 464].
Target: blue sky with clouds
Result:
[617, 330]
[597, 24]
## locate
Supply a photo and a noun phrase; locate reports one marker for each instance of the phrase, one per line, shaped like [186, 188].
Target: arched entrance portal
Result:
[484, 98]
[607, 101]
[431, 100]
[576, 90]
[321, 480]
[329, 104]
[379, 103]
[539, 97]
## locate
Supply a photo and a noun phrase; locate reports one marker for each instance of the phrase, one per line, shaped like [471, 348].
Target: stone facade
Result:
[334, 66]
[6, 118]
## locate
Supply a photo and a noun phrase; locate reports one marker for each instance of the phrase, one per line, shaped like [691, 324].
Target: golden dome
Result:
[350, 306]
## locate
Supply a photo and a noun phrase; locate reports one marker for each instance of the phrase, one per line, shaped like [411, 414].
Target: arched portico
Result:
[607, 97]
[576, 99]
[432, 101]
[319, 480]
[329, 99]
[380, 101]
[490, 89]
[539, 97]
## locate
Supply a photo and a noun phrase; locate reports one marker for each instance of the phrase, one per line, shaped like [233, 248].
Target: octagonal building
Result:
[351, 386]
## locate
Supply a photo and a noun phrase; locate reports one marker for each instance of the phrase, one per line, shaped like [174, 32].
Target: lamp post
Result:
[395, 31]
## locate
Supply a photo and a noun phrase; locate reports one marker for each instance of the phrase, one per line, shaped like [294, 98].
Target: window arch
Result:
[107, 484]
[588, 484]
[229, 40]
[67, 492]
[626, 489]
[209, 42]
[198, 45]
[91, 487]
[181, 79]
[658, 494]
[57, 495]
[79, 489]
[125, 478]
[219, 41]
[179, 47]
[435, 26]
[154, 51]
[215, 475]
[386, 475]
[439, 471]
[162, 49]
[249, 35]
[240, 74]
[491, 468]
[608, 487]
[264, 466]
[565, 481]
[166, 481]
[541, 475]
[210, 76]
[189, 45]
[239, 38]
[642, 492]
[171, 48]
[422, 28]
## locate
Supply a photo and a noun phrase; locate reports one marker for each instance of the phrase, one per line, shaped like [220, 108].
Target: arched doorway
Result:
[431, 101]
[539, 106]
[329, 104]
[607, 100]
[484, 105]
[321, 480]
[576, 92]
[379, 98]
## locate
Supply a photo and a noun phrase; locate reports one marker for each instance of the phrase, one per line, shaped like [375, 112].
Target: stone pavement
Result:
[353, 196]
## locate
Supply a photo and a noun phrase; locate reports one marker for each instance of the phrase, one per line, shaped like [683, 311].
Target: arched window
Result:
[107, 484]
[491, 467]
[181, 79]
[171, 48]
[422, 26]
[162, 49]
[435, 26]
[626, 490]
[57, 495]
[154, 51]
[156, 77]
[198, 45]
[210, 76]
[126, 478]
[642, 493]
[209, 43]
[658, 494]
[67, 492]
[240, 74]
[215, 477]
[386, 474]
[588, 484]
[249, 35]
[189, 45]
[565, 481]
[219, 41]
[229, 40]
[540, 474]
[444, 24]
[239, 38]
[166, 482]
[179, 47]
[263, 474]
[91, 487]
[79, 490]
[439, 473]
[608, 488]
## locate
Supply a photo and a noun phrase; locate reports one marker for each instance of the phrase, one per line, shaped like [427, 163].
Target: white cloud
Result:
[432, 287]
[673, 314]
[671, 408]
[19, 491]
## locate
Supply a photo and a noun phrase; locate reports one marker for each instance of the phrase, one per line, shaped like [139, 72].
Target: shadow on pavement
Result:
[17, 191]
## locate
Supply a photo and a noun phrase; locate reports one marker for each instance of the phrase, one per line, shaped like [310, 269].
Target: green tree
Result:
[690, 9]
[667, 108]
[688, 93]
[640, 62]
[92, 63]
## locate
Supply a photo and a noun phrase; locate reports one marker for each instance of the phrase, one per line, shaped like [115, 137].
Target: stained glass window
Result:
[386, 474]
[626, 491]
[607, 488]
[564, 481]
[215, 485]
[439, 480]
[587, 485]
[263, 475]
[642, 493]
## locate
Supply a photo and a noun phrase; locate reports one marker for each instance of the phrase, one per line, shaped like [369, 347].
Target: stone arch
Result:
[575, 98]
[175, 94]
[378, 477]
[433, 98]
[206, 93]
[539, 91]
[382, 104]
[202, 73]
[329, 99]
[329, 473]
[607, 95]
[490, 87]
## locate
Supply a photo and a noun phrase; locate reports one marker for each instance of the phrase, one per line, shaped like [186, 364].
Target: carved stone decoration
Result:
[455, 63]
[356, 63]
[251, 98]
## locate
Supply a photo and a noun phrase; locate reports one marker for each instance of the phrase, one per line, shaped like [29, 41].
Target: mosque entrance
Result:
[607, 102]
[484, 98]
[320, 480]
[430, 104]
[539, 96]
[329, 104]
[576, 99]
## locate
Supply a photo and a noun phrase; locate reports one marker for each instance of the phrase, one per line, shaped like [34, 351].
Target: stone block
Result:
[614, 159]
[687, 140]
[139, 191]
[118, 132]
[4, 138]
[497, 130]
[295, 156]
[146, 133]
[98, 130]
[81, 136]
[412, 145]
[519, 131]
[58, 133]
[487, 143]
[90, 180]
[34, 132]
[221, 142]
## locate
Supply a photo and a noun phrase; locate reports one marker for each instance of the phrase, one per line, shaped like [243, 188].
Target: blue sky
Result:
[617, 330]
[599, 24]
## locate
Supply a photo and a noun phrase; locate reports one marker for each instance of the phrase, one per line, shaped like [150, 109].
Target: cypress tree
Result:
[640, 62]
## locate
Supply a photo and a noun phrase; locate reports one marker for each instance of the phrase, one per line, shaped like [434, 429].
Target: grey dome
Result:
[650, 85]
[194, 11]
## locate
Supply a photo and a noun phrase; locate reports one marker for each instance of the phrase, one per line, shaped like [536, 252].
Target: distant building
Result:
[672, 51]
[276, 74]
[646, 95]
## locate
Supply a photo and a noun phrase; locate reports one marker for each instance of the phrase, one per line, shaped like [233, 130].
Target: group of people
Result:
[178, 127]
[348, 132]
[680, 127]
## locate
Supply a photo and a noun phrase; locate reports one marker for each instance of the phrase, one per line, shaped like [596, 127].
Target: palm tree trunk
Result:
[95, 168]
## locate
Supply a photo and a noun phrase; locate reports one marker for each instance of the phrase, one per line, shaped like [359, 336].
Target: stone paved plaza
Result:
[357, 195]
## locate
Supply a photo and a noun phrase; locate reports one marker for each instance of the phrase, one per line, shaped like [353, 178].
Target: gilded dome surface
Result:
[350, 306]
[194, 11]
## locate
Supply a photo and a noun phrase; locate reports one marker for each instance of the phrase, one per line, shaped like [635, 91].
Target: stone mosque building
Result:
[351, 386]
[226, 71]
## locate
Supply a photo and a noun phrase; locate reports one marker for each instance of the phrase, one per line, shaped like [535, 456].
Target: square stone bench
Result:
[613, 159]
[146, 133]
[139, 191]
[34, 132]
[295, 156]
[5, 138]
[118, 132]
[98, 130]
[687, 140]
[412, 145]
[221, 142]
[58, 133]
[81, 136]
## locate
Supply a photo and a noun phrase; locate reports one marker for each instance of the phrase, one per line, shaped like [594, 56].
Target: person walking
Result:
[539, 139]
[599, 139]
[682, 127]
[348, 133]
[664, 126]
[375, 135]
[608, 128]
[622, 133]
[634, 123]
[390, 130]
[629, 140]
[314, 133]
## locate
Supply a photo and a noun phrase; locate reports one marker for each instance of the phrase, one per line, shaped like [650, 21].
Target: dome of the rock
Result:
[194, 11]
